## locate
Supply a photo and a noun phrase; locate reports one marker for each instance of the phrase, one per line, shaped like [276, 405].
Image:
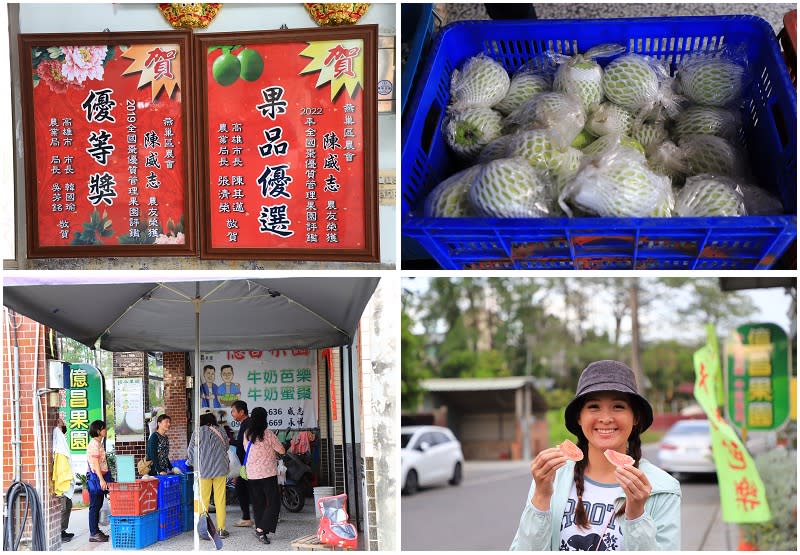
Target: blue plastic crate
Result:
[170, 522]
[416, 30]
[770, 136]
[134, 532]
[187, 487]
[169, 491]
[188, 517]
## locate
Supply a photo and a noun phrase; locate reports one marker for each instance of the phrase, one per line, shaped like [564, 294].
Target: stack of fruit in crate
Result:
[569, 136]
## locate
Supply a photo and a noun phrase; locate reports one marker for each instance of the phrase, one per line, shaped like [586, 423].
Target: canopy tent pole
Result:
[196, 417]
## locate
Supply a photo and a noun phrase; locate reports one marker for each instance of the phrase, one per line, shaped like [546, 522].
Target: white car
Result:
[429, 455]
[686, 448]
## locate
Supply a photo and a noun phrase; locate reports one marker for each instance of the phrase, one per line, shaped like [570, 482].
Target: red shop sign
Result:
[289, 144]
[108, 144]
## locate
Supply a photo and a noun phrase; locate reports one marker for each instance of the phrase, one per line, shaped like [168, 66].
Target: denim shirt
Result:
[658, 529]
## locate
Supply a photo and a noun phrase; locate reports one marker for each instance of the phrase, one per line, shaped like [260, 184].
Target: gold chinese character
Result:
[79, 420]
[760, 415]
[758, 336]
[760, 389]
[78, 399]
[760, 368]
[78, 380]
[79, 440]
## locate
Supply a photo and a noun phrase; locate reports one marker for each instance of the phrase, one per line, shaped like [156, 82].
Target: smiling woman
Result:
[612, 498]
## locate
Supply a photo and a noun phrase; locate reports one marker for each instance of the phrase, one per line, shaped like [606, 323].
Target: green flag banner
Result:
[741, 490]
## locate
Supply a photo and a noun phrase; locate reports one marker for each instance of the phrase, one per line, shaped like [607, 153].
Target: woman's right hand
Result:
[103, 484]
[543, 470]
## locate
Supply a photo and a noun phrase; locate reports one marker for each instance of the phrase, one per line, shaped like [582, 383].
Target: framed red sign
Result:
[108, 144]
[288, 131]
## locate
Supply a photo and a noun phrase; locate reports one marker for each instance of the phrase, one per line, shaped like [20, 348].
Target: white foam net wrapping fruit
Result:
[618, 184]
[481, 81]
[562, 114]
[468, 130]
[449, 199]
[715, 78]
[707, 195]
[511, 188]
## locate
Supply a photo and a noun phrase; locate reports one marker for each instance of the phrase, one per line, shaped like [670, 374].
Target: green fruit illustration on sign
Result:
[226, 69]
[252, 66]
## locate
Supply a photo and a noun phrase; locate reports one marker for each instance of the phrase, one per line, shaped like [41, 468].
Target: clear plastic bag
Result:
[450, 199]
[526, 83]
[640, 84]
[710, 196]
[618, 184]
[708, 120]
[715, 77]
[609, 118]
[511, 188]
[709, 154]
[562, 114]
[467, 130]
[581, 75]
[481, 81]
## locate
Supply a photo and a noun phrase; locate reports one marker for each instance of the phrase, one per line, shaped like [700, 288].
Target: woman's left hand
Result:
[637, 490]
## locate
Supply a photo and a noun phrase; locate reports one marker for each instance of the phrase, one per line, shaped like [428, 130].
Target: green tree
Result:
[412, 369]
[709, 304]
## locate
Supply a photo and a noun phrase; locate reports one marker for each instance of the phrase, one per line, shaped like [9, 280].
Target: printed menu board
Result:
[108, 144]
[289, 155]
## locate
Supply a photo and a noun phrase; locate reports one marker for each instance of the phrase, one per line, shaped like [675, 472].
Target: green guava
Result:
[252, 66]
[226, 69]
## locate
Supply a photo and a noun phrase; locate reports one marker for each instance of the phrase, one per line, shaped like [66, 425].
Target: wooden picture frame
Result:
[127, 97]
[271, 92]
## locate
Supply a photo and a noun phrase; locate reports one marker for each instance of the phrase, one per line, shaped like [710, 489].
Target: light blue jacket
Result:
[658, 529]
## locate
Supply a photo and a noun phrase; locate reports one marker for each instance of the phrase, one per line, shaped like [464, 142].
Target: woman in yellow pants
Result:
[212, 468]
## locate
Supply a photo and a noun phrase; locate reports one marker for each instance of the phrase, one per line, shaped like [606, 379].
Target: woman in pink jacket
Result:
[261, 451]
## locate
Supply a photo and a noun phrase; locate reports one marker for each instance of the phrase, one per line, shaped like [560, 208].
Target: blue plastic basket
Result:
[170, 522]
[416, 29]
[134, 532]
[769, 120]
[187, 488]
[187, 517]
[169, 491]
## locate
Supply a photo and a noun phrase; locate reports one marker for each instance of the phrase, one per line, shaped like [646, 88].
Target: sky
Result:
[659, 322]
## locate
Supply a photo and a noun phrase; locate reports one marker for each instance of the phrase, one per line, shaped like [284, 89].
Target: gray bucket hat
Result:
[607, 375]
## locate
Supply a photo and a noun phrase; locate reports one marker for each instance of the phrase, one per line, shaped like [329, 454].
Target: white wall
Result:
[119, 17]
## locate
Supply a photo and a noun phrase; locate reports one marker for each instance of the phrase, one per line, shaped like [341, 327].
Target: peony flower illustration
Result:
[83, 62]
[170, 239]
[49, 71]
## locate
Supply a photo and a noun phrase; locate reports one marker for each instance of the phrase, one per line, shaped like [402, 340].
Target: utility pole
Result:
[636, 364]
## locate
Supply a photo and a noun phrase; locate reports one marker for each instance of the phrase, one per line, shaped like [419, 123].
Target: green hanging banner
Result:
[757, 366]
[82, 404]
[741, 490]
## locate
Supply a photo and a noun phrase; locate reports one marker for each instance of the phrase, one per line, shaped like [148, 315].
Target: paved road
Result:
[483, 512]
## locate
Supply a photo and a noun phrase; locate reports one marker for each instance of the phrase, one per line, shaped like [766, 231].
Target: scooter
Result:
[298, 483]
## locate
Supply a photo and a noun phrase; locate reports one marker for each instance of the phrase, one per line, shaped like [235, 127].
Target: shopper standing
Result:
[262, 448]
[240, 414]
[212, 465]
[158, 447]
[96, 458]
[63, 477]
